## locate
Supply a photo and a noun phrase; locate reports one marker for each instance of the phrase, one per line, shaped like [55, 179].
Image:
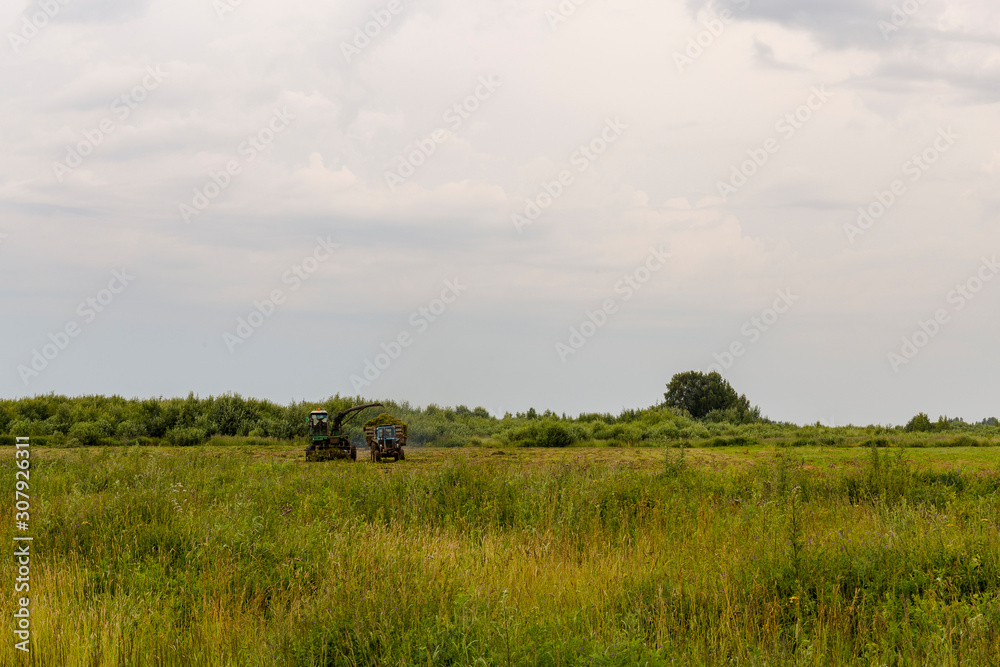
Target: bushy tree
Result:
[129, 431]
[555, 434]
[88, 434]
[701, 395]
[920, 422]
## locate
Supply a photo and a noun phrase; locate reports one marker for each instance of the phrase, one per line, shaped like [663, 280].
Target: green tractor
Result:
[327, 441]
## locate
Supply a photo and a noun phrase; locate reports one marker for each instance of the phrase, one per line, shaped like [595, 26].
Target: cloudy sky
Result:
[506, 203]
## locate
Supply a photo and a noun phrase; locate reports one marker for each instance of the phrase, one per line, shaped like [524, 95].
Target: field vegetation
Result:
[695, 532]
[232, 554]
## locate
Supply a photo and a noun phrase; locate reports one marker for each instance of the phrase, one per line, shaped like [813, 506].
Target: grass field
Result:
[611, 556]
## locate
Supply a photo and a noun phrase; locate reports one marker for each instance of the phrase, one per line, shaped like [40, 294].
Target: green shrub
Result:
[738, 441]
[186, 437]
[129, 431]
[555, 434]
[798, 442]
[277, 428]
[86, 434]
[539, 433]
[961, 441]
[39, 440]
[19, 427]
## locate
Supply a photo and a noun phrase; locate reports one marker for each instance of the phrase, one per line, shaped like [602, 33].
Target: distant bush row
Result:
[101, 420]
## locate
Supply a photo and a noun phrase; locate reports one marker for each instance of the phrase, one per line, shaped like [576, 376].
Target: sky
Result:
[504, 203]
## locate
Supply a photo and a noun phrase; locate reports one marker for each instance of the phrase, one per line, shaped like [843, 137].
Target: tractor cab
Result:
[386, 436]
[319, 423]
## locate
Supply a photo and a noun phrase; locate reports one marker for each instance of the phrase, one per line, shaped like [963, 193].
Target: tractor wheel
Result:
[401, 456]
[354, 454]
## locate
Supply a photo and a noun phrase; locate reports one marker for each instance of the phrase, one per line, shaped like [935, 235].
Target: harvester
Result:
[327, 439]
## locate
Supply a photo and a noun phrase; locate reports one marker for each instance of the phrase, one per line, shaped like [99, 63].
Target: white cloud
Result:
[656, 184]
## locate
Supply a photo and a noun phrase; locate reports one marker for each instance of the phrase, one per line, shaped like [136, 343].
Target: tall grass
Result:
[167, 557]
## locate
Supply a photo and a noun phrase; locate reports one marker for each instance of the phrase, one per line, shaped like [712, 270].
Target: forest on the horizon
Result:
[113, 420]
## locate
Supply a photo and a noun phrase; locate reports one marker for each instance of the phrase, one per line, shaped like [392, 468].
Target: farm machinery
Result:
[385, 440]
[327, 440]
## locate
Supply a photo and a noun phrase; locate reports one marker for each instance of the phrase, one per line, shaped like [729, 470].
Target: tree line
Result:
[696, 406]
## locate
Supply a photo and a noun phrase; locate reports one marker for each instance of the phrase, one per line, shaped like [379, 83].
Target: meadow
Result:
[231, 554]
